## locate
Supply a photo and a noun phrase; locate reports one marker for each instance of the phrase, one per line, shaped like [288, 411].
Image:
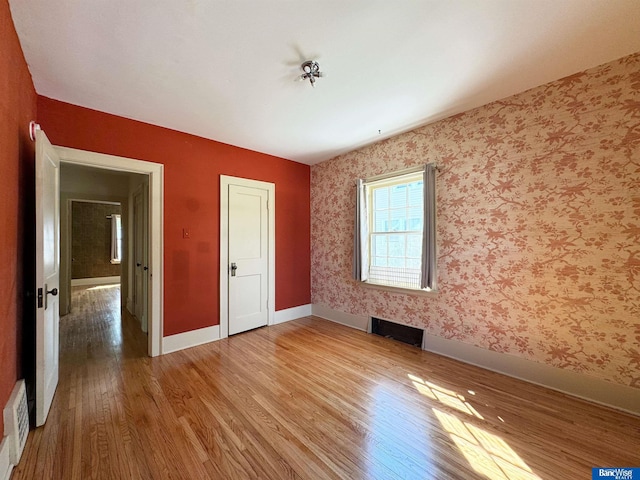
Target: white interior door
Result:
[140, 266]
[47, 274]
[145, 258]
[248, 258]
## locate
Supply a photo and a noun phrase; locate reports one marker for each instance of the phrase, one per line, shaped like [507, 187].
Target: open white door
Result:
[140, 256]
[47, 274]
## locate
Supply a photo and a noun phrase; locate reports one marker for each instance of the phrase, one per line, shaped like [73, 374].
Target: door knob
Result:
[234, 267]
[138, 264]
[145, 268]
[53, 292]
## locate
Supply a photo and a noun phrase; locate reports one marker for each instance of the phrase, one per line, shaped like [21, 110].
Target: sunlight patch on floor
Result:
[445, 396]
[487, 453]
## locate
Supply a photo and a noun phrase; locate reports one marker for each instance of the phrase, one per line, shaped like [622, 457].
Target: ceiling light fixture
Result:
[311, 71]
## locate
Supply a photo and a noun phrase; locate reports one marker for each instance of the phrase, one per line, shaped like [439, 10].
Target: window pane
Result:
[396, 245]
[416, 191]
[380, 261]
[398, 220]
[381, 198]
[398, 196]
[413, 263]
[414, 246]
[414, 220]
[396, 262]
[379, 245]
[381, 221]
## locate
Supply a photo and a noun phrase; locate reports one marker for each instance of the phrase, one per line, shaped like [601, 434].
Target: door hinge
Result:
[40, 298]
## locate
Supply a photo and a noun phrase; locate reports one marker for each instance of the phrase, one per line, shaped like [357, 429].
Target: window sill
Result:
[407, 291]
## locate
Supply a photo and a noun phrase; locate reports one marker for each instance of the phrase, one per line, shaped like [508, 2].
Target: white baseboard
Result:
[359, 322]
[293, 313]
[77, 282]
[5, 465]
[180, 341]
[579, 385]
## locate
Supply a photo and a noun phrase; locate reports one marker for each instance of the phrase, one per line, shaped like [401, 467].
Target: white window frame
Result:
[401, 179]
[362, 259]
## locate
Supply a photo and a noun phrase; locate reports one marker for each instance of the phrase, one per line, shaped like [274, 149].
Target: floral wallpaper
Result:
[538, 225]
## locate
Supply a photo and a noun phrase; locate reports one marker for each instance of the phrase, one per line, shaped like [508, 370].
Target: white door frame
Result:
[225, 181]
[155, 171]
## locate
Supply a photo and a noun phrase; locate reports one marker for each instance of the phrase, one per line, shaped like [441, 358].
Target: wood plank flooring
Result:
[306, 399]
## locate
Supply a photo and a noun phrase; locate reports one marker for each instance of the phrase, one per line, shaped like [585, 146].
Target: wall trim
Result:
[5, 465]
[359, 322]
[75, 282]
[585, 387]
[292, 313]
[193, 338]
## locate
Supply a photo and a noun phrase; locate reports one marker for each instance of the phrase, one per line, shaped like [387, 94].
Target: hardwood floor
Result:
[305, 399]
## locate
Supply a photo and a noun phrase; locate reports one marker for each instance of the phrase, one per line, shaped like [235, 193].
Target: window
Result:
[116, 238]
[395, 230]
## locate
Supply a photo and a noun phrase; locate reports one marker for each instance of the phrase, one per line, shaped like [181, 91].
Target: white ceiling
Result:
[225, 69]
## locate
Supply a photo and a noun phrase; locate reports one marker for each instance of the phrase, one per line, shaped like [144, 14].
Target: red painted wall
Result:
[17, 108]
[193, 166]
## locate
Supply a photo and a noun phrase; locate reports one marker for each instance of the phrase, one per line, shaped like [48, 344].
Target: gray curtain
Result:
[428, 270]
[360, 250]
